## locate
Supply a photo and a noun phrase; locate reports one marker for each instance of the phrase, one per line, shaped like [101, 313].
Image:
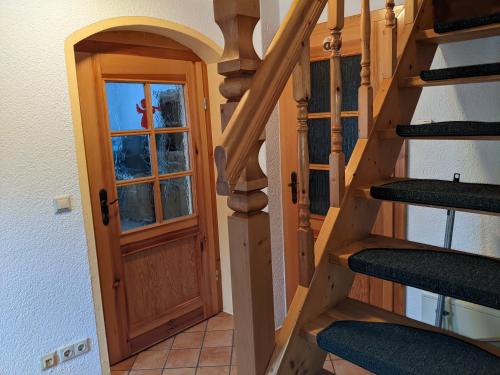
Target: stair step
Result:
[468, 71]
[481, 198]
[386, 343]
[431, 36]
[465, 276]
[446, 27]
[454, 76]
[451, 130]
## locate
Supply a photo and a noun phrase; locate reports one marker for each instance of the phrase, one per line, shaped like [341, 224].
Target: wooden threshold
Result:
[416, 81]
[391, 134]
[350, 309]
[341, 256]
[430, 36]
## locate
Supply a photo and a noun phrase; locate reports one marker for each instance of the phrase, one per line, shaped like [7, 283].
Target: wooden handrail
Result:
[252, 113]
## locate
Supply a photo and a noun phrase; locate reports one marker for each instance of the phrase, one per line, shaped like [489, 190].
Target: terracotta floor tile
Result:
[223, 314]
[178, 358]
[145, 372]
[163, 346]
[119, 372]
[346, 368]
[125, 365]
[150, 360]
[214, 339]
[328, 366]
[215, 357]
[333, 357]
[220, 323]
[188, 340]
[234, 370]
[179, 371]
[202, 327]
[213, 370]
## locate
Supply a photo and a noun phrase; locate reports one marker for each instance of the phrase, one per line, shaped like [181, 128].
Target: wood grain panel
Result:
[160, 279]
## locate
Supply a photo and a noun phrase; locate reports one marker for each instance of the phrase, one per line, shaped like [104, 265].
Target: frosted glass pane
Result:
[176, 197]
[319, 192]
[126, 106]
[173, 152]
[350, 136]
[319, 140]
[351, 81]
[168, 106]
[131, 157]
[320, 87]
[136, 204]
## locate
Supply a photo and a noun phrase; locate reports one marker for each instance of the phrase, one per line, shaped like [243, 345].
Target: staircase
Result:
[321, 318]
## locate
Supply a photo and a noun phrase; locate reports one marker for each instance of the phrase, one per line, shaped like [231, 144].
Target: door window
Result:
[151, 142]
[319, 128]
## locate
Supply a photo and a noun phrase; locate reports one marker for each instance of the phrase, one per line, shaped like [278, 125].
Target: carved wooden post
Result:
[365, 94]
[389, 52]
[249, 236]
[410, 10]
[337, 157]
[301, 93]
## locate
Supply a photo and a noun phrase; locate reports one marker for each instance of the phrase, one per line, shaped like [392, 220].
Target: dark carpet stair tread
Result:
[390, 349]
[459, 195]
[461, 72]
[446, 27]
[450, 129]
[468, 277]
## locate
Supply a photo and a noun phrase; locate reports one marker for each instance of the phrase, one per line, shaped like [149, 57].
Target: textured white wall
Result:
[477, 161]
[45, 286]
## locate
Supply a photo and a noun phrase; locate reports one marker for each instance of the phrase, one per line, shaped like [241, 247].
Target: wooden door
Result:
[148, 149]
[390, 221]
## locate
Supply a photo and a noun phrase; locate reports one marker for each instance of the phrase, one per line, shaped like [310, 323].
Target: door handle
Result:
[293, 186]
[103, 198]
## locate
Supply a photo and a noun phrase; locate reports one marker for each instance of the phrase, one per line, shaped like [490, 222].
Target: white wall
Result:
[46, 297]
[477, 161]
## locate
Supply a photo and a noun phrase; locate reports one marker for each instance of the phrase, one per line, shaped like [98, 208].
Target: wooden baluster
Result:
[337, 157]
[389, 52]
[410, 10]
[365, 93]
[301, 93]
[249, 233]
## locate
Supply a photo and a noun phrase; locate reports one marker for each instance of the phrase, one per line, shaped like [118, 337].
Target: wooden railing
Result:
[252, 88]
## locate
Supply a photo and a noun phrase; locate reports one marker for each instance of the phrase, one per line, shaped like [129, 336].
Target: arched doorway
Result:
[138, 91]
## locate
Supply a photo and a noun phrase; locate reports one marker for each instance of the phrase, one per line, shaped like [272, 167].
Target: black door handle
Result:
[103, 197]
[293, 186]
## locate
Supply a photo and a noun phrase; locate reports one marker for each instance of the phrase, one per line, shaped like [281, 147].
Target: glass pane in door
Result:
[168, 105]
[137, 205]
[173, 152]
[126, 106]
[131, 157]
[176, 197]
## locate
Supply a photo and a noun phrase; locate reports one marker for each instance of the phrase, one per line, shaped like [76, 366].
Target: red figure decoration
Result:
[142, 110]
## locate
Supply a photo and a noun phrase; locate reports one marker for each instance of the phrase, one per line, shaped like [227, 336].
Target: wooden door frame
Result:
[351, 45]
[152, 45]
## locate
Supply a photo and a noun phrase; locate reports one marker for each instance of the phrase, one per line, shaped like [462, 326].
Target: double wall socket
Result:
[65, 354]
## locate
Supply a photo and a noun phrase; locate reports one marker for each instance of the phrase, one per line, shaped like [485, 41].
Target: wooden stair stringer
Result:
[354, 219]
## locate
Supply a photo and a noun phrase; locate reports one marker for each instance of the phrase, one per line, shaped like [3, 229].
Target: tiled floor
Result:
[205, 349]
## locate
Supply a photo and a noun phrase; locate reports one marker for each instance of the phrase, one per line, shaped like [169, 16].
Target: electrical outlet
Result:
[49, 361]
[67, 353]
[82, 347]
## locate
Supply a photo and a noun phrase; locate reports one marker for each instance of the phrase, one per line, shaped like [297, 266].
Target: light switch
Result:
[62, 203]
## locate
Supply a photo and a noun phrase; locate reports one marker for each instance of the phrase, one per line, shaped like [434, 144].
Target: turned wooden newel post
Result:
[249, 236]
[365, 94]
[389, 52]
[301, 93]
[337, 157]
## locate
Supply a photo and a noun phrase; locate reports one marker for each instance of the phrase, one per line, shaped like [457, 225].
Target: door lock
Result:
[293, 185]
[103, 197]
